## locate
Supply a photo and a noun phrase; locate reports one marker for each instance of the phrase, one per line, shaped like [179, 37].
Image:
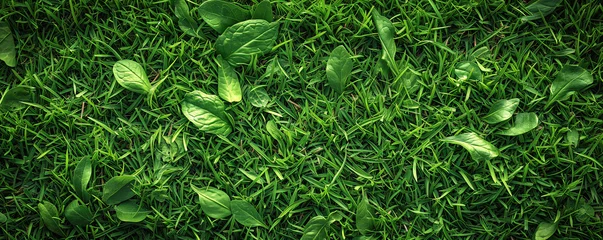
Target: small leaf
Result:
[214, 203]
[585, 212]
[3, 218]
[478, 148]
[81, 177]
[540, 8]
[468, 71]
[262, 10]
[501, 110]
[241, 41]
[524, 122]
[78, 215]
[130, 212]
[206, 112]
[335, 217]
[386, 32]
[8, 54]
[316, 228]
[246, 214]
[50, 217]
[573, 137]
[13, 99]
[258, 97]
[118, 189]
[545, 230]
[569, 80]
[339, 68]
[364, 216]
[131, 76]
[186, 23]
[407, 82]
[229, 87]
[220, 14]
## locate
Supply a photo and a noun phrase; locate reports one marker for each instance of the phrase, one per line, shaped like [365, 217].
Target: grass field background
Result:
[323, 152]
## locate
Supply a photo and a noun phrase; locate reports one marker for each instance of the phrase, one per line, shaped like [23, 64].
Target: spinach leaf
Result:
[339, 68]
[50, 217]
[206, 112]
[501, 110]
[241, 41]
[186, 23]
[78, 215]
[316, 228]
[262, 10]
[229, 87]
[221, 14]
[386, 32]
[81, 177]
[478, 148]
[118, 189]
[569, 80]
[545, 230]
[214, 203]
[131, 76]
[245, 214]
[468, 71]
[364, 216]
[130, 212]
[540, 8]
[13, 98]
[258, 97]
[8, 54]
[524, 122]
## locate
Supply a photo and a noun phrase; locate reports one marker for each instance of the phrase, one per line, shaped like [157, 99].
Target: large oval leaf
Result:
[569, 80]
[524, 122]
[245, 214]
[14, 98]
[50, 217]
[214, 203]
[206, 112]
[241, 41]
[364, 216]
[501, 110]
[229, 87]
[478, 148]
[316, 228]
[131, 76]
[8, 53]
[262, 10]
[78, 215]
[130, 212]
[220, 14]
[468, 71]
[118, 189]
[386, 32]
[186, 23]
[339, 68]
[81, 177]
[540, 8]
[545, 230]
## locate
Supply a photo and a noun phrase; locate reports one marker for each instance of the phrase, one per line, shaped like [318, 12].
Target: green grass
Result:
[333, 149]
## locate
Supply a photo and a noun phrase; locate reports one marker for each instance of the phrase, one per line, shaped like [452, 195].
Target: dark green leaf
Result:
[334, 217]
[545, 230]
[215, 203]
[130, 212]
[206, 112]
[478, 148]
[241, 41]
[364, 216]
[50, 217]
[3, 218]
[131, 76]
[386, 32]
[262, 10]
[186, 23]
[468, 71]
[78, 215]
[585, 212]
[339, 68]
[220, 14]
[501, 110]
[118, 189]
[569, 80]
[13, 99]
[81, 177]
[229, 87]
[245, 214]
[540, 8]
[258, 97]
[316, 228]
[524, 122]
[8, 53]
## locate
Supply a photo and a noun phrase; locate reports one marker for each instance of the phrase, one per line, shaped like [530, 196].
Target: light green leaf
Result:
[13, 98]
[241, 41]
[364, 216]
[229, 87]
[131, 76]
[407, 81]
[468, 71]
[186, 23]
[386, 32]
[545, 230]
[206, 112]
[573, 137]
[262, 10]
[316, 228]
[501, 110]
[81, 177]
[540, 8]
[8, 53]
[214, 203]
[118, 189]
[130, 212]
[569, 80]
[524, 122]
[334, 217]
[221, 14]
[339, 68]
[478, 148]
[258, 97]
[50, 217]
[246, 214]
[78, 215]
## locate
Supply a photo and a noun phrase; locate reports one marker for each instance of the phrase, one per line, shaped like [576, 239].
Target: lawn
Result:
[301, 119]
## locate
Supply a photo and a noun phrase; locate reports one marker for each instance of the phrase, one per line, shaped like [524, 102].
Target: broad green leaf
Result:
[130, 212]
[258, 97]
[50, 217]
[229, 87]
[118, 189]
[339, 68]
[13, 98]
[478, 148]
[3, 218]
[221, 14]
[81, 177]
[407, 81]
[206, 112]
[585, 212]
[569, 80]
[316, 228]
[78, 215]
[468, 71]
[214, 203]
[262, 10]
[524, 122]
[545, 230]
[540, 8]
[364, 216]
[246, 214]
[573, 137]
[8, 53]
[241, 41]
[501, 110]
[131, 76]
[186, 23]
[386, 32]
[273, 130]
[334, 217]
